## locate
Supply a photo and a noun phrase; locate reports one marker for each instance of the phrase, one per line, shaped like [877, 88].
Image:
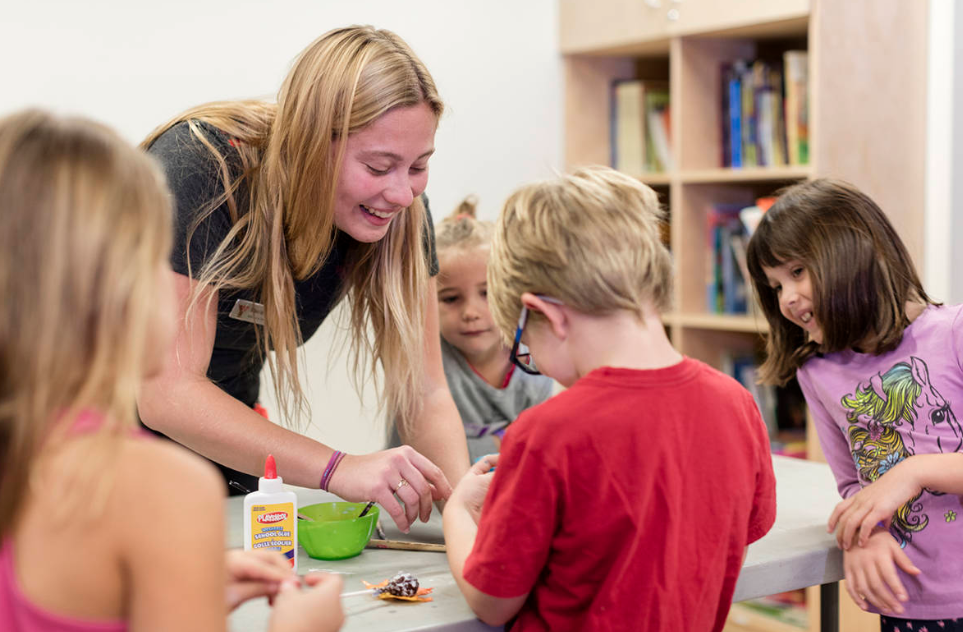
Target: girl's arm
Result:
[171, 538]
[861, 512]
[185, 405]
[832, 440]
[170, 531]
[438, 433]
[461, 526]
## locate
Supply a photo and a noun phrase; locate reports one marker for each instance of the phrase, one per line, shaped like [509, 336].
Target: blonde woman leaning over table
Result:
[283, 210]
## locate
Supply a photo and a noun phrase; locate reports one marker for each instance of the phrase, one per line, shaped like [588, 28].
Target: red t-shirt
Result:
[626, 502]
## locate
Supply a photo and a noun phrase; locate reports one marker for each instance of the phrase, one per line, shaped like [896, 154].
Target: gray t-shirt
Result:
[485, 409]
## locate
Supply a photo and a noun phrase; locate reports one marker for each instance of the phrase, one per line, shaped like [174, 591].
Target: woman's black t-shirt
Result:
[194, 180]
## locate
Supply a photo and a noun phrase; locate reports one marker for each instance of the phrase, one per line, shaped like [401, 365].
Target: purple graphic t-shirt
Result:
[871, 412]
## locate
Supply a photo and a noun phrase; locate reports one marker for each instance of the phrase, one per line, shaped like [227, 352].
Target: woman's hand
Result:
[316, 608]
[252, 574]
[473, 487]
[871, 573]
[381, 476]
[876, 503]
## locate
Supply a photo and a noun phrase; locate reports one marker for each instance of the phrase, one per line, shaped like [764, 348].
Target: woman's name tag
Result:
[248, 311]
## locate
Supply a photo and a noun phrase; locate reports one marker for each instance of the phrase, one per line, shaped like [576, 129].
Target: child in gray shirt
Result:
[487, 390]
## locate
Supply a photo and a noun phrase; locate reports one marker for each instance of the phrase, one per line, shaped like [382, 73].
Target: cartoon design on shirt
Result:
[901, 395]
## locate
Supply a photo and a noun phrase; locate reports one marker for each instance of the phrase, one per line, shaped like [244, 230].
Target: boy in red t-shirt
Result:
[627, 501]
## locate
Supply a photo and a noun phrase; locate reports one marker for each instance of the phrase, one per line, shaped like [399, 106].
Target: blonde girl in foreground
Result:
[102, 527]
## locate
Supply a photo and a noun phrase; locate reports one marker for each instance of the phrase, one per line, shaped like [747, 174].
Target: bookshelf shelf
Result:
[755, 174]
[721, 322]
[655, 179]
[866, 92]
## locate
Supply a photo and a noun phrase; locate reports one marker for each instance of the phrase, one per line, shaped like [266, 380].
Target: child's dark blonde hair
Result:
[861, 273]
[462, 229]
[590, 239]
[85, 229]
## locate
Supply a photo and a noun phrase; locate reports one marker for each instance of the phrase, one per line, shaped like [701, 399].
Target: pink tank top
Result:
[17, 612]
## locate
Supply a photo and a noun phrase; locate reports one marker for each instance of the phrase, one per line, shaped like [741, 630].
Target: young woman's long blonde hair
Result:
[85, 224]
[340, 84]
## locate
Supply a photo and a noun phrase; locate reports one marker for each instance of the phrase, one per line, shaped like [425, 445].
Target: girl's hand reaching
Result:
[876, 503]
[871, 576]
[316, 608]
[252, 574]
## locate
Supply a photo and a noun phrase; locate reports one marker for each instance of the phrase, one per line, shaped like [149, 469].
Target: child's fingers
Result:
[890, 577]
[485, 464]
[238, 593]
[849, 523]
[903, 561]
[838, 511]
[882, 595]
[854, 586]
[258, 565]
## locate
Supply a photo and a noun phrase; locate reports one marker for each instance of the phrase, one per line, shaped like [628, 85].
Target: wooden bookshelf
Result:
[867, 74]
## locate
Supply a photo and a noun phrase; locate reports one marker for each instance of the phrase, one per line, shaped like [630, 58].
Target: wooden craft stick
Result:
[401, 545]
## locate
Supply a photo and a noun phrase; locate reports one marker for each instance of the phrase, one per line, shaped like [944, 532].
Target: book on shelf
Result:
[783, 409]
[796, 63]
[628, 130]
[754, 119]
[640, 127]
[726, 283]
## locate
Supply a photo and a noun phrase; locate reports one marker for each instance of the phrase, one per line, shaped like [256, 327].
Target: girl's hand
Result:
[875, 503]
[871, 573]
[472, 488]
[316, 608]
[381, 475]
[252, 574]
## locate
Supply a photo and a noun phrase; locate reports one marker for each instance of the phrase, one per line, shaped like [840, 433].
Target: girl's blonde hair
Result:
[290, 160]
[462, 229]
[85, 226]
[590, 239]
[861, 274]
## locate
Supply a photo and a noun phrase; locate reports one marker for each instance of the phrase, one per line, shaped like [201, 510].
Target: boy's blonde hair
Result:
[462, 229]
[85, 226]
[590, 239]
[340, 84]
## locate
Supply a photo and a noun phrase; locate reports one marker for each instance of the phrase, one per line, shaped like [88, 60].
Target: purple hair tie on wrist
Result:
[333, 463]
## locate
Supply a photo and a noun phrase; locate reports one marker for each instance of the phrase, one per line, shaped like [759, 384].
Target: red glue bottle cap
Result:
[270, 482]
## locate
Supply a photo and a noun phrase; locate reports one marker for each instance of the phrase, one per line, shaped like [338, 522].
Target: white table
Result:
[796, 553]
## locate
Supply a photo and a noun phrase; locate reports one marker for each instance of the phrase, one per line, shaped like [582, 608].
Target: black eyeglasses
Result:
[520, 355]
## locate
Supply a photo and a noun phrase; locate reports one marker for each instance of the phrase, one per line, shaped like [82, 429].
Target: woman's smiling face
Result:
[385, 168]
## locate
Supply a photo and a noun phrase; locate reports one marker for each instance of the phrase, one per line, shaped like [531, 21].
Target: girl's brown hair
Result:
[341, 83]
[85, 228]
[861, 273]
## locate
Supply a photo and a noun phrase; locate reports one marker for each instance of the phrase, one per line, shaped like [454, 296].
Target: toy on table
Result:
[403, 586]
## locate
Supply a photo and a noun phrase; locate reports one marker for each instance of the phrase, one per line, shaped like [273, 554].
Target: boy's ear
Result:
[555, 313]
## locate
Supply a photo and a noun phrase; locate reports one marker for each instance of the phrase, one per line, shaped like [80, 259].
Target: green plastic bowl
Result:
[336, 531]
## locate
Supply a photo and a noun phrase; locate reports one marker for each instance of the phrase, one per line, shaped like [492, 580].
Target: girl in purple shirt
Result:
[880, 364]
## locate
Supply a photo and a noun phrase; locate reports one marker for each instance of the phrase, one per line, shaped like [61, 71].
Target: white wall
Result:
[134, 65]
[943, 258]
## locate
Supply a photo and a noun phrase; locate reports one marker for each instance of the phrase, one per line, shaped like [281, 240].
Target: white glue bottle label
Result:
[270, 516]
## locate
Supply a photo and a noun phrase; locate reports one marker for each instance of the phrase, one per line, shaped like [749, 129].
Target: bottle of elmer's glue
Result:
[270, 516]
